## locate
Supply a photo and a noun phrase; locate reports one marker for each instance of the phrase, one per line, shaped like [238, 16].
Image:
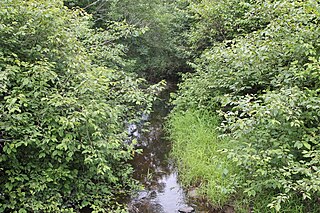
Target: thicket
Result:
[153, 47]
[64, 103]
[257, 66]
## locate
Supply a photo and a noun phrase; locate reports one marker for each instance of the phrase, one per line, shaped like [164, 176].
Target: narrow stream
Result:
[156, 171]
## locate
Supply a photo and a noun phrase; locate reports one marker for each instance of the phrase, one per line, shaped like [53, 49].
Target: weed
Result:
[199, 155]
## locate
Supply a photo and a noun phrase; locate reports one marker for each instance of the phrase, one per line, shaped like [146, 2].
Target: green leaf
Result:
[22, 210]
[307, 145]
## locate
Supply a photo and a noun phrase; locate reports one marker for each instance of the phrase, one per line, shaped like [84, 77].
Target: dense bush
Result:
[264, 81]
[64, 103]
[151, 44]
[279, 144]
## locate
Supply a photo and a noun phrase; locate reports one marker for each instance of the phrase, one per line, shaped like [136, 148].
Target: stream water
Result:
[156, 171]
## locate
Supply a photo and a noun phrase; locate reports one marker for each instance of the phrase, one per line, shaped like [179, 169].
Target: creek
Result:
[156, 170]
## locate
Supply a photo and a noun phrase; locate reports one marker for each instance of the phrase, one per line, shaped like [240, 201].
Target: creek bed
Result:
[156, 170]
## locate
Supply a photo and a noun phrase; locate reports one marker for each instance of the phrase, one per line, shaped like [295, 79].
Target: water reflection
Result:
[167, 197]
[155, 170]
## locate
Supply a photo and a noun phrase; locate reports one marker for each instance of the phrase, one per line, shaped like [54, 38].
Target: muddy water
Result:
[156, 171]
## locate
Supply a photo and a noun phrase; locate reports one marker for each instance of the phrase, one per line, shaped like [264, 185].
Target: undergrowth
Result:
[204, 162]
[200, 157]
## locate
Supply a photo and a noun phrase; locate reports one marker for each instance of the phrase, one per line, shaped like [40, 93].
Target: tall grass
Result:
[200, 157]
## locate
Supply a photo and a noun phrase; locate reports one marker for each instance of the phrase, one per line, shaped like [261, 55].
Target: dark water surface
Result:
[156, 171]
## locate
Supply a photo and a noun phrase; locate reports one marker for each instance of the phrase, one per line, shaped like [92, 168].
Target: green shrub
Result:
[265, 84]
[63, 112]
[279, 148]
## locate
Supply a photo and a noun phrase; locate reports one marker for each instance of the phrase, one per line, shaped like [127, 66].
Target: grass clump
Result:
[200, 157]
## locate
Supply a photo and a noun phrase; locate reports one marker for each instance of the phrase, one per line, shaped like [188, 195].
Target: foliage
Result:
[264, 81]
[200, 157]
[150, 42]
[279, 144]
[214, 21]
[64, 105]
[264, 59]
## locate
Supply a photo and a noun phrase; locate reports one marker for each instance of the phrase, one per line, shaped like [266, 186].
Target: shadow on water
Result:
[156, 171]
